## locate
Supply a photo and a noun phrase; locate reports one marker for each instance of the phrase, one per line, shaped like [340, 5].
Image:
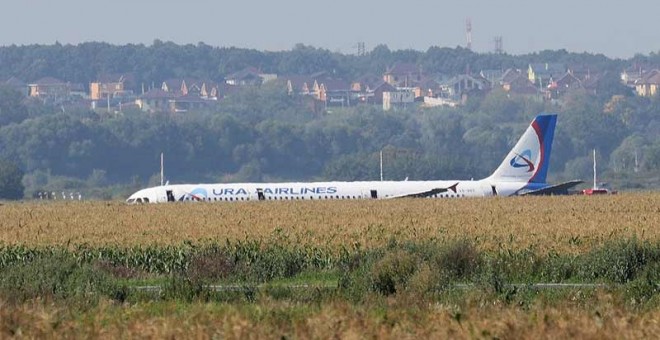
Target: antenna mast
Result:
[468, 33]
[499, 47]
[361, 49]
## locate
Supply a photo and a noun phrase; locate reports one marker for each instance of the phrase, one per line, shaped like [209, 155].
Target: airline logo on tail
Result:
[522, 160]
[528, 160]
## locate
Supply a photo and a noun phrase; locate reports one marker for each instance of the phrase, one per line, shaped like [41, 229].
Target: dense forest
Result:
[264, 134]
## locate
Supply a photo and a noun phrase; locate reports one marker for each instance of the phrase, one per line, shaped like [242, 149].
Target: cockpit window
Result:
[146, 200]
[139, 200]
[130, 200]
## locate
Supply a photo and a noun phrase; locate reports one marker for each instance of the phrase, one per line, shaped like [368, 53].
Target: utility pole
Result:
[162, 171]
[595, 182]
[381, 165]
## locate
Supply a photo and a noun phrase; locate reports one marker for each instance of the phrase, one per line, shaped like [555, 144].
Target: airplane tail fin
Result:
[528, 161]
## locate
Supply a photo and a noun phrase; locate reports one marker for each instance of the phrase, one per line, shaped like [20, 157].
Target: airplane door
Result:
[170, 196]
[374, 194]
[260, 194]
[493, 190]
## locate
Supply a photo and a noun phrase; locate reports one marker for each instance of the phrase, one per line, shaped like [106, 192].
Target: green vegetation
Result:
[64, 152]
[261, 134]
[11, 185]
[426, 269]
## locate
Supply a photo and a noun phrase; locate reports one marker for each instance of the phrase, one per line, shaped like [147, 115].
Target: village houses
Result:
[400, 85]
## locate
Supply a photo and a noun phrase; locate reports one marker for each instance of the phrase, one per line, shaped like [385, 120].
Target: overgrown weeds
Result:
[57, 277]
[419, 270]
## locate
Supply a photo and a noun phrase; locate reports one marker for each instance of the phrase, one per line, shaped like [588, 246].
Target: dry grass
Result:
[338, 320]
[566, 224]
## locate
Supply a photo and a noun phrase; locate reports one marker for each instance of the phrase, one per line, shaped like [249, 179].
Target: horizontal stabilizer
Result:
[557, 189]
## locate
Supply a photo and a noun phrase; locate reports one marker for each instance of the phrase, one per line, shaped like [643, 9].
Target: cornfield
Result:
[386, 269]
[561, 224]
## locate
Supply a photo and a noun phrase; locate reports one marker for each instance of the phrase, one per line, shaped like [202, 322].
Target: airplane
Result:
[523, 172]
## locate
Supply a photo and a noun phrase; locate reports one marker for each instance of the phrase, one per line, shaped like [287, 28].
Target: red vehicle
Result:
[597, 191]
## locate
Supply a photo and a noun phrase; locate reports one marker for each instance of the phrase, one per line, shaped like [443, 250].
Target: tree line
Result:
[264, 134]
[159, 61]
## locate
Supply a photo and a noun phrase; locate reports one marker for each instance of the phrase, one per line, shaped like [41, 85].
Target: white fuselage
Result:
[238, 192]
[524, 168]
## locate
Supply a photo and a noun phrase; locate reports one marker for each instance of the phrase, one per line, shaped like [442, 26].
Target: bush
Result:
[355, 280]
[214, 264]
[117, 270]
[646, 287]
[459, 260]
[619, 262]
[422, 282]
[57, 277]
[558, 268]
[392, 272]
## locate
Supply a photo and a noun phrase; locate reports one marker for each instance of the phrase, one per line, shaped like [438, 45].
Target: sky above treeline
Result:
[618, 29]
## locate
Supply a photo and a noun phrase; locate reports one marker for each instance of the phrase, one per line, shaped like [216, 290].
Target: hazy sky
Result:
[613, 27]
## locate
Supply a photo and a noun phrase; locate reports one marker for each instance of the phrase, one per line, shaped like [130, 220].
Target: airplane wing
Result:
[191, 195]
[427, 193]
[557, 189]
